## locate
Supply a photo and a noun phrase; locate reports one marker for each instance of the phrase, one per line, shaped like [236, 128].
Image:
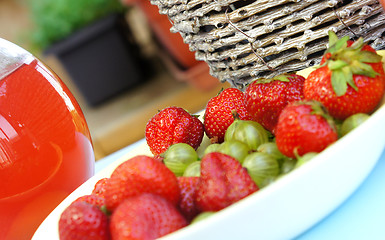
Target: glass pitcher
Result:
[45, 146]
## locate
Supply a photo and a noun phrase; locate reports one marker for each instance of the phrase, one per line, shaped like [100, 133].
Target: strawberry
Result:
[218, 115]
[188, 188]
[81, 221]
[265, 98]
[141, 174]
[223, 182]
[93, 199]
[146, 216]
[350, 80]
[173, 125]
[100, 187]
[304, 127]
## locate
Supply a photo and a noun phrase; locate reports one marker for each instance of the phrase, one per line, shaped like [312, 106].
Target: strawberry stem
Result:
[319, 109]
[105, 210]
[235, 115]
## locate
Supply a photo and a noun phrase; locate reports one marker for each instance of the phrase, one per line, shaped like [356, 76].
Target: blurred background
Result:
[118, 57]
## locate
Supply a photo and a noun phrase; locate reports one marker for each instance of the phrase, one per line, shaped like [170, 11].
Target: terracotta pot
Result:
[160, 25]
[382, 3]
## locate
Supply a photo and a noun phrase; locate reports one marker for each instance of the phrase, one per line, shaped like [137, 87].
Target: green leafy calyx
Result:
[344, 62]
[282, 78]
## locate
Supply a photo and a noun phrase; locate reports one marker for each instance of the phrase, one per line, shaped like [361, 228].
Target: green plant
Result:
[56, 19]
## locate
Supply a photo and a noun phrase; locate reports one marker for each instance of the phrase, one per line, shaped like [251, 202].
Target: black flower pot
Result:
[102, 59]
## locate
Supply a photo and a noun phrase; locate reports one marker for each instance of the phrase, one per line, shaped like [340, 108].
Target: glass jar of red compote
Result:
[45, 145]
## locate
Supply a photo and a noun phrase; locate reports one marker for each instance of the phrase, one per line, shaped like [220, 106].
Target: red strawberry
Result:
[93, 199]
[146, 216]
[304, 127]
[141, 174]
[173, 125]
[218, 115]
[100, 187]
[350, 80]
[265, 98]
[188, 188]
[81, 221]
[223, 182]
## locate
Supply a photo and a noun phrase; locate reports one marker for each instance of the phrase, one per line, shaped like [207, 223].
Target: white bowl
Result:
[284, 209]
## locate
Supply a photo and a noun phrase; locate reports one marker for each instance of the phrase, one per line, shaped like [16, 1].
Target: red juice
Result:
[45, 148]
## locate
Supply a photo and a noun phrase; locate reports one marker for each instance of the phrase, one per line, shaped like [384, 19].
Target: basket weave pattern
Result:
[242, 40]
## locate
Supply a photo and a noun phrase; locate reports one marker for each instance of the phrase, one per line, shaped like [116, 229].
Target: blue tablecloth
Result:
[360, 217]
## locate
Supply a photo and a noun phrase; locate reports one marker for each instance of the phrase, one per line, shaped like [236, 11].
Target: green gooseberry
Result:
[211, 148]
[305, 158]
[271, 148]
[263, 168]
[201, 216]
[236, 149]
[203, 146]
[288, 164]
[178, 156]
[193, 170]
[352, 122]
[249, 132]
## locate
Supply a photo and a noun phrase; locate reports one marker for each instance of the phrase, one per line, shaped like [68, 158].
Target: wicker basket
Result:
[248, 39]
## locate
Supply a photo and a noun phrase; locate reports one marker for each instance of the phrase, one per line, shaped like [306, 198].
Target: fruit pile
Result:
[252, 139]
